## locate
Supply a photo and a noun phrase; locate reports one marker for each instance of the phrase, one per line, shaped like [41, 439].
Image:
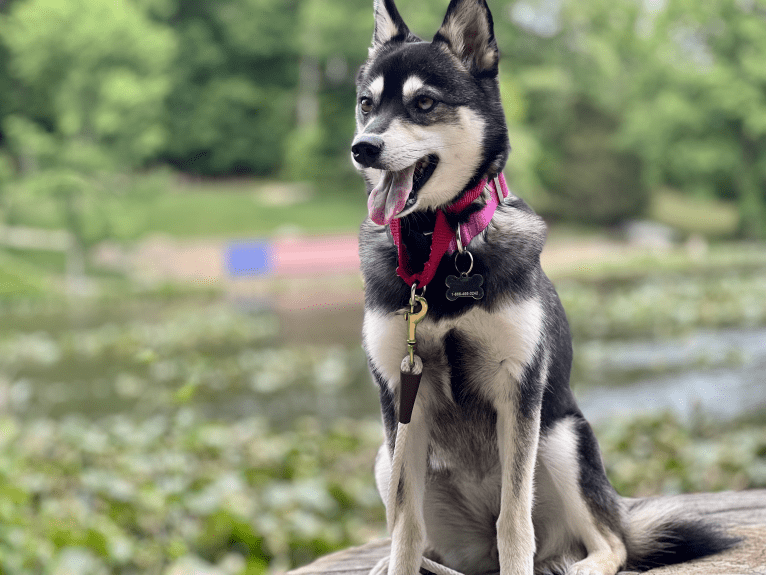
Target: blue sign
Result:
[249, 258]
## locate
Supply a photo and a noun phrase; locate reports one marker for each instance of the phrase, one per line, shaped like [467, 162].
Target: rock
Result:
[742, 513]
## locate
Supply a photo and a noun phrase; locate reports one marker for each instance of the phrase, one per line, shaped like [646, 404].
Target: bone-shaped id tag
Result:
[466, 285]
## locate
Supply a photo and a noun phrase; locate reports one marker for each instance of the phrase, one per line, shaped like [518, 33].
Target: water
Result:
[721, 373]
[231, 365]
[735, 385]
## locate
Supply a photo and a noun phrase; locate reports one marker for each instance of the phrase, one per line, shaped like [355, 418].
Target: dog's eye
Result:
[425, 103]
[366, 105]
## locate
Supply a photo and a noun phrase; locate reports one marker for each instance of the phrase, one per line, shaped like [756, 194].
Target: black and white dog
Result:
[502, 472]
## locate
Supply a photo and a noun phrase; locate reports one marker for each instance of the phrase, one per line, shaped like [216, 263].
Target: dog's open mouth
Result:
[397, 190]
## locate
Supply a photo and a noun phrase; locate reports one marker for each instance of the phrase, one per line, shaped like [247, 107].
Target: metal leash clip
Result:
[413, 318]
[412, 365]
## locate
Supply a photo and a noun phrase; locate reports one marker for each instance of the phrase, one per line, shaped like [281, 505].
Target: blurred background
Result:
[182, 388]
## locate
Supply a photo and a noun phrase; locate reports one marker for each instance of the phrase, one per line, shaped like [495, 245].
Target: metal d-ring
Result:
[499, 190]
[470, 267]
[414, 287]
[459, 239]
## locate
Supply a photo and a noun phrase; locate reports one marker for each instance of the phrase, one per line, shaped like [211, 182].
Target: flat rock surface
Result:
[742, 513]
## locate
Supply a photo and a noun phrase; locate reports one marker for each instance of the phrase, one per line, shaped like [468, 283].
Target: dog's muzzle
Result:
[366, 150]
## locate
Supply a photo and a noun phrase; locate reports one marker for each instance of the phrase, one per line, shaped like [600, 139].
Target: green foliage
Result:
[34, 146]
[657, 454]
[592, 181]
[328, 29]
[665, 304]
[126, 496]
[6, 93]
[6, 170]
[605, 101]
[91, 82]
[177, 434]
[135, 496]
[232, 106]
[705, 129]
[305, 151]
[94, 74]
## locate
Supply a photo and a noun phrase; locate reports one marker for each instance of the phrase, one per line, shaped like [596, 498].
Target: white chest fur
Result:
[507, 338]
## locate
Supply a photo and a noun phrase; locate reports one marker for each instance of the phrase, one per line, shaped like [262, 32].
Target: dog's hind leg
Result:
[517, 439]
[588, 510]
[408, 533]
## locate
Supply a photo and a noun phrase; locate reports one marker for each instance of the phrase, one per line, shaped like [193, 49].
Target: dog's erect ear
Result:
[388, 24]
[468, 31]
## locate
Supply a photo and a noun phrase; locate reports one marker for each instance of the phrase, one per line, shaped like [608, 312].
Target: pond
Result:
[145, 435]
[721, 373]
[229, 364]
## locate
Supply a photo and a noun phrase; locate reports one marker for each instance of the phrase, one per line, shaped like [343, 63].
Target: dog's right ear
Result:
[468, 31]
[388, 24]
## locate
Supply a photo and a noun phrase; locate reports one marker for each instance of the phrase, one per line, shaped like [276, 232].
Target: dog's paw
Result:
[578, 569]
[381, 567]
[590, 567]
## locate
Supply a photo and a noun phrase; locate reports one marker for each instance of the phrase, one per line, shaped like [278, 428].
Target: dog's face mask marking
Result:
[429, 118]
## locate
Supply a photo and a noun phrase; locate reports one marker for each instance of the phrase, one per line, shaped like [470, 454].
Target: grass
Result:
[129, 207]
[164, 204]
[44, 260]
[708, 217]
[628, 264]
[20, 277]
[237, 215]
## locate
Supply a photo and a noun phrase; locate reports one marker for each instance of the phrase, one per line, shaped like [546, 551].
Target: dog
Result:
[502, 473]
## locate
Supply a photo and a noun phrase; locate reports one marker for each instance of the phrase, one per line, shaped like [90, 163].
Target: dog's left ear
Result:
[468, 31]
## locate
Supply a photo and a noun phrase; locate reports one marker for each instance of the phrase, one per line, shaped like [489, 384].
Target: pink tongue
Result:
[388, 198]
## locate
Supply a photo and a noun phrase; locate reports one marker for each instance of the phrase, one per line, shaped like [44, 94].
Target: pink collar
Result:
[443, 239]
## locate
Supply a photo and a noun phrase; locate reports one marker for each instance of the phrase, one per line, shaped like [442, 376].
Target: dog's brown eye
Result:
[425, 103]
[366, 105]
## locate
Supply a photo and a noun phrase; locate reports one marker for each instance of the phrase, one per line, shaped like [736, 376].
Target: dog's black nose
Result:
[367, 150]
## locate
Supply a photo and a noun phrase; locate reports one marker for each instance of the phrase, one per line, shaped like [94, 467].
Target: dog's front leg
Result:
[517, 439]
[408, 533]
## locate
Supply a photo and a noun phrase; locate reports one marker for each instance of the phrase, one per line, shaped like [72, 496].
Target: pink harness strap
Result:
[478, 221]
[443, 239]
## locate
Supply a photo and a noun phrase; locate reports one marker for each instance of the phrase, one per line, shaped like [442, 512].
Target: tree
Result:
[701, 123]
[574, 62]
[91, 80]
[93, 73]
[232, 103]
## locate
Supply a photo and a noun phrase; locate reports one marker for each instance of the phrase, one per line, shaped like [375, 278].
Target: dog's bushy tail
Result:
[660, 532]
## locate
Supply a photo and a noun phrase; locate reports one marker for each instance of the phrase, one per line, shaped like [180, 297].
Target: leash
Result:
[411, 373]
[443, 240]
